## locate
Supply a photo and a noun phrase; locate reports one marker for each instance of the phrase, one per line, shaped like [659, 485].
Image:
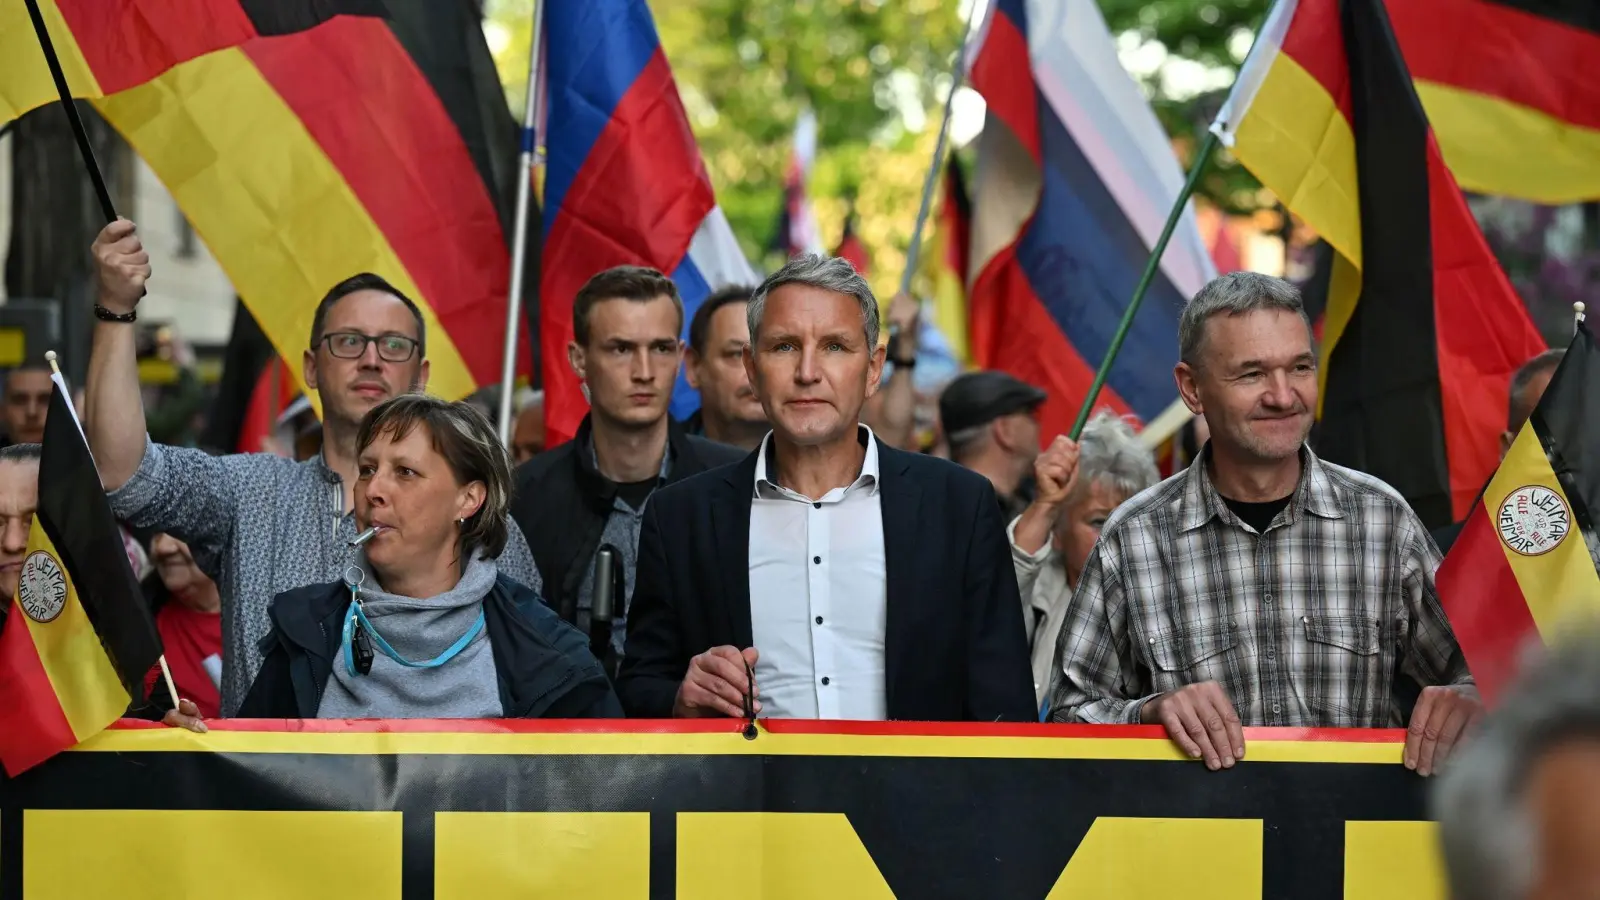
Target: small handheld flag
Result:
[1525, 562]
[78, 639]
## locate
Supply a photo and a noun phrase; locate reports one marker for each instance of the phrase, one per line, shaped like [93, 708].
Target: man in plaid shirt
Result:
[1262, 586]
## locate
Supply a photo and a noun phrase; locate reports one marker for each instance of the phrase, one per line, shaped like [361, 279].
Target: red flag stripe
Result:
[1492, 634]
[373, 113]
[129, 42]
[1495, 49]
[32, 725]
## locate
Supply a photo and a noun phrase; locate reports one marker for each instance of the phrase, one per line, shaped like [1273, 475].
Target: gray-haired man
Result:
[1519, 810]
[1261, 586]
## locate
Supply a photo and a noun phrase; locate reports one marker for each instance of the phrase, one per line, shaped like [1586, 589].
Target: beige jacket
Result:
[1042, 582]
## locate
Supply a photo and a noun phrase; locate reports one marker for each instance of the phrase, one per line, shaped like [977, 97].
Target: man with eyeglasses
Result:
[259, 524]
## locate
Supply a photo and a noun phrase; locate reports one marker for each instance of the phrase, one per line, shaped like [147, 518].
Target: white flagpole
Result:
[519, 238]
[914, 250]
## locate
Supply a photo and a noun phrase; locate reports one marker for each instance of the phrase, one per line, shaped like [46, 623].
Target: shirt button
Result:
[817, 504]
[817, 560]
[824, 681]
[1152, 640]
[1272, 654]
[819, 620]
[1277, 708]
[1268, 597]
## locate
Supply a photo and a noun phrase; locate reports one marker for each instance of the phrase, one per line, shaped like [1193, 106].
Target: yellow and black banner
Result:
[645, 810]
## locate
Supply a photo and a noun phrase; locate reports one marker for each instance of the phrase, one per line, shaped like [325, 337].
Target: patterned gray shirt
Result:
[260, 525]
[621, 532]
[1302, 625]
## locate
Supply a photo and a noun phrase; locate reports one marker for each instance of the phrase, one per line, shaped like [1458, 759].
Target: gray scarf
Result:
[466, 687]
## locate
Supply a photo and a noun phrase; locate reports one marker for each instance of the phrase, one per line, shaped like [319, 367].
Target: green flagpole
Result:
[1203, 157]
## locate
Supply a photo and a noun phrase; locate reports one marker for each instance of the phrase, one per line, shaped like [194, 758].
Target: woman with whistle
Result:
[423, 625]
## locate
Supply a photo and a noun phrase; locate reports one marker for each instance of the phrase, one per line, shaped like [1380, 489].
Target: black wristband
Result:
[907, 364]
[106, 315]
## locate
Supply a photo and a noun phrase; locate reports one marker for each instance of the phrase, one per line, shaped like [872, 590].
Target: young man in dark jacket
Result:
[591, 492]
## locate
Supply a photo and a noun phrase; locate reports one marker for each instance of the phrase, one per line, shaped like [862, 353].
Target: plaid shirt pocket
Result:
[1351, 667]
[1192, 653]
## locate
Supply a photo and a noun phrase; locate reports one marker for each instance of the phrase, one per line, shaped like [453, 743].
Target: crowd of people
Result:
[793, 549]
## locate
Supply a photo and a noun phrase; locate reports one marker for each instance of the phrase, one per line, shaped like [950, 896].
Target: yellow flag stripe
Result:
[27, 84]
[1562, 583]
[85, 684]
[275, 211]
[1494, 146]
[1296, 140]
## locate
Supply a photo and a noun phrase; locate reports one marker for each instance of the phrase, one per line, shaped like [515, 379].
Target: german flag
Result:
[308, 140]
[79, 639]
[256, 387]
[1324, 114]
[1512, 90]
[1525, 561]
[945, 265]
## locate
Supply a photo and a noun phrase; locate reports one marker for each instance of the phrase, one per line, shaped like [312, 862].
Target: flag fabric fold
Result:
[309, 141]
[78, 639]
[1421, 331]
[1074, 181]
[624, 184]
[944, 263]
[1525, 562]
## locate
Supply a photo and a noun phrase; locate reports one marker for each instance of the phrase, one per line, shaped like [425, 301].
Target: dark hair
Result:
[1520, 408]
[366, 281]
[32, 364]
[637, 283]
[463, 436]
[22, 453]
[701, 323]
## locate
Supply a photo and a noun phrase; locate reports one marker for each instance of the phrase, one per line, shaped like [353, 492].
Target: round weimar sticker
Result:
[42, 587]
[1534, 520]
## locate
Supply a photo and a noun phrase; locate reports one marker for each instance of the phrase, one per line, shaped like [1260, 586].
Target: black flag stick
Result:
[71, 107]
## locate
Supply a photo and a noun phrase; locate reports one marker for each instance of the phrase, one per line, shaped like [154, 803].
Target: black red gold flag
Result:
[79, 639]
[1422, 330]
[307, 141]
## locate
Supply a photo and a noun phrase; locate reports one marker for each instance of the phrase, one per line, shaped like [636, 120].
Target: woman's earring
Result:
[461, 523]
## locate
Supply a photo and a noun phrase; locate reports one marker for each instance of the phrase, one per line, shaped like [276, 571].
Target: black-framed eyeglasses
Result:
[395, 348]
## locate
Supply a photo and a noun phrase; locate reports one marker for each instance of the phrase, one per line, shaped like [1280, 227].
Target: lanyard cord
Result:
[355, 614]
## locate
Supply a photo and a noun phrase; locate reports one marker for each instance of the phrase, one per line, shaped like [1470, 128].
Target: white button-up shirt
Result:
[818, 600]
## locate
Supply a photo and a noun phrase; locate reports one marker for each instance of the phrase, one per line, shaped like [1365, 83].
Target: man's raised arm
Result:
[114, 419]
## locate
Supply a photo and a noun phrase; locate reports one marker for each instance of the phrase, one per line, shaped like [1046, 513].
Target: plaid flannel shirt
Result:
[1302, 625]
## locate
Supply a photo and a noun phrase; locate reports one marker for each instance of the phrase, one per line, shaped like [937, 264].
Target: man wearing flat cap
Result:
[989, 422]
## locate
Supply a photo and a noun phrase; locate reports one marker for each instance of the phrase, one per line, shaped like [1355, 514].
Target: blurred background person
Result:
[27, 401]
[438, 630]
[188, 611]
[592, 491]
[1519, 807]
[1527, 387]
[527, 434]
[1078, 487]
[990, 425]
[19, 495]
[729, 412]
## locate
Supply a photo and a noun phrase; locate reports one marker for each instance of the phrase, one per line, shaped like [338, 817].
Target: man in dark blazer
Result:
[826, 575]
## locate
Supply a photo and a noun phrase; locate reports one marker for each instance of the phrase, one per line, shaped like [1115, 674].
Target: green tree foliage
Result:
[873, 71]
[1213, 34]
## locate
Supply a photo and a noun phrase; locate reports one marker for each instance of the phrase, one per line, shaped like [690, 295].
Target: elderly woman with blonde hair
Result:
[424, 624]
[1078, 486]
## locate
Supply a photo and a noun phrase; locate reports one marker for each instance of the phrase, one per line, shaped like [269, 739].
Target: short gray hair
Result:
[831, 273]
[1488, 836]
[1111, 455]
[1236, 293]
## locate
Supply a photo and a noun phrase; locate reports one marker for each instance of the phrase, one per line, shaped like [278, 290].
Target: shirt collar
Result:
[767, 462]
[1316, 493]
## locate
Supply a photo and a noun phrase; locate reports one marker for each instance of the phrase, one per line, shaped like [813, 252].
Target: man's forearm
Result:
[115, 417]
[897, 416]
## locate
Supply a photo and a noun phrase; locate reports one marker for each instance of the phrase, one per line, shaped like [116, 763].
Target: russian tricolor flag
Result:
[624, 182]
[1075, 179]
